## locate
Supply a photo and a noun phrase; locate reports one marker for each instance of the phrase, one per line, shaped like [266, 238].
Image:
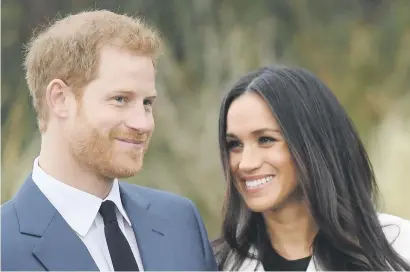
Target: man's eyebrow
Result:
[151, 94]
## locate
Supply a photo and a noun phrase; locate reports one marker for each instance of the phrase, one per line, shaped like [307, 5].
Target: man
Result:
[92, 80]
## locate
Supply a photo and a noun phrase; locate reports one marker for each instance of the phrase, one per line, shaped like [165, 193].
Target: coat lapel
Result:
[251, 265]
[57, 246]
[311, 266]
[149, 228]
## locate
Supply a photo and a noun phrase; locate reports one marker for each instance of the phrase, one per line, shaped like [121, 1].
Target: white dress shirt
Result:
[80, 210]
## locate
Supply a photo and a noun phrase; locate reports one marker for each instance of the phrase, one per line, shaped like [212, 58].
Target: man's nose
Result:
[140, 119]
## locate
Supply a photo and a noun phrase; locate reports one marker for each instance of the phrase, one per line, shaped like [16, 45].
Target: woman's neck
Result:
[291, 230]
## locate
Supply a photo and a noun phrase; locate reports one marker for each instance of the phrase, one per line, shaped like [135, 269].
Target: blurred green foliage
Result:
[360, 48]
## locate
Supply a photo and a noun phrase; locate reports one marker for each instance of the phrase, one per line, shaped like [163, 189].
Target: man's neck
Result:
[59, 163]
[291, 230]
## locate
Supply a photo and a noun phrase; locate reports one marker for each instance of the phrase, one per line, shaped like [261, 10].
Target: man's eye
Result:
[147, 102]
[120, 99]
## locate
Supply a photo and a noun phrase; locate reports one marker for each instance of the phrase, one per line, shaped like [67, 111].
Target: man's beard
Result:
[97, 152]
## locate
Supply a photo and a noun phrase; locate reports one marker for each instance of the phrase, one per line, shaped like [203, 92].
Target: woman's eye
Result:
[265, 140]
[233, 144]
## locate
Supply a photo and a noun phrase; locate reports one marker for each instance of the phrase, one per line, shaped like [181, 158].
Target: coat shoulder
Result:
[397, 231]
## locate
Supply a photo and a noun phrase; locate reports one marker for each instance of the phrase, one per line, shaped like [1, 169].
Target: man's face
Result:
[110, 128]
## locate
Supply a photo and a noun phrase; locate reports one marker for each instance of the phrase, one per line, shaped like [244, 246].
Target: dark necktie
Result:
[120, 251]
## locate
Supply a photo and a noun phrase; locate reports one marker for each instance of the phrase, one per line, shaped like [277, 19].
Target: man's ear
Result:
[57, 97]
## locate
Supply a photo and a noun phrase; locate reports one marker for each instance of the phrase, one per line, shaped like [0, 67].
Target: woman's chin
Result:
[261, 205]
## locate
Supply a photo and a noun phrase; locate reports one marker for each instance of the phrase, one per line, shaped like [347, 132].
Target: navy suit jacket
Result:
[168, 228]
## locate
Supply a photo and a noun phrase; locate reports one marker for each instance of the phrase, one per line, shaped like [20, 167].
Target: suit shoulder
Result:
[11, 241]
[8, 213]
[166, 204]
[158, 196]
[7, 208]
[9, 222]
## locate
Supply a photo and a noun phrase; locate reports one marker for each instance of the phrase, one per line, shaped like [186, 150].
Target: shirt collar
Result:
[78, 208]
[115, 197]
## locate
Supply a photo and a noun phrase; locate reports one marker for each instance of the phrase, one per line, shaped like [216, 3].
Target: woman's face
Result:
[260, 160]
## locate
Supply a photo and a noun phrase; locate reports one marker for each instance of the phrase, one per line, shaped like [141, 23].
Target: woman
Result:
[300, 187]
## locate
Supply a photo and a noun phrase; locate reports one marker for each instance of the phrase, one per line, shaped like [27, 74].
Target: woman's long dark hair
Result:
[333, 171]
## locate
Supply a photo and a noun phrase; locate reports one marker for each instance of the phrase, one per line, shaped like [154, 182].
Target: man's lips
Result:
[131, 141]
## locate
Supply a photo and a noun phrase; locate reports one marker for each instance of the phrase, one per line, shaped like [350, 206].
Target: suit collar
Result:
[34, 211]
[132, 194]
[58, 247]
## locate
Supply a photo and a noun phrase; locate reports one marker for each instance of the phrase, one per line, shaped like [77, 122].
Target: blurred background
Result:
[360, 48]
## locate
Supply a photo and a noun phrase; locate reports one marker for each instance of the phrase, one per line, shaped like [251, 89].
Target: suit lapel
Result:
[149, 228]
[61, 249]
[57, 246]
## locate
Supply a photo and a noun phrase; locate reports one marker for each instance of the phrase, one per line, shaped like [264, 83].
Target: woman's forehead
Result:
[249, 113]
